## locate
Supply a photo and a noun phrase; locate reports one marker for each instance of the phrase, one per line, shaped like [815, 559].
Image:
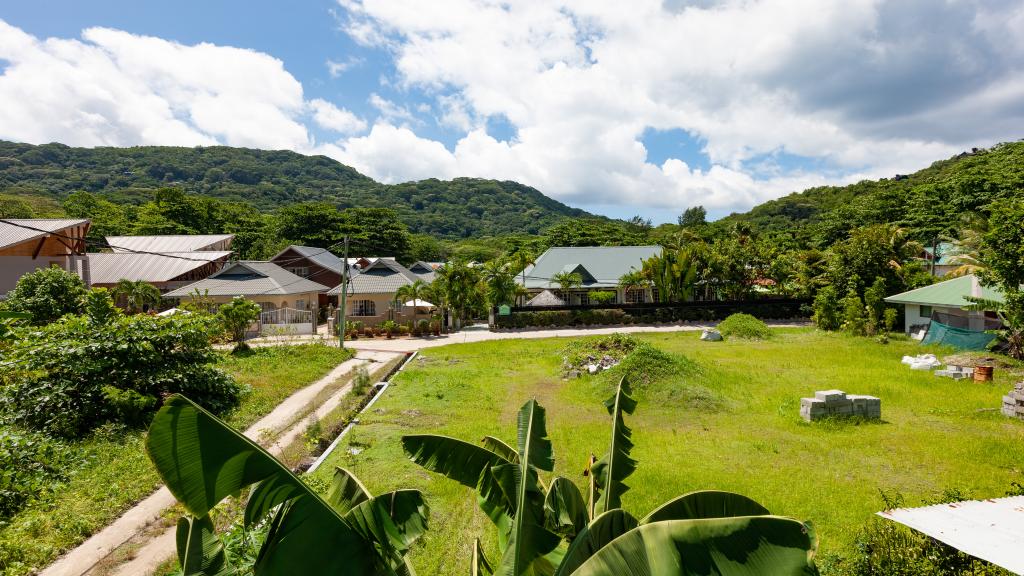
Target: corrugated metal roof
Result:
[384, 276]
[947, 250]
[251, 278]
[992, 530]
[320, 256]
[948, 293]
[11, 234]
[109, 268]
[169, 243]
[605, 264]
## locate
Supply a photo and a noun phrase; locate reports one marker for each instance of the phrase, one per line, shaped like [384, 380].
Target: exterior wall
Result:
[383, 304]
[279, 301]
[914, 319]
[330, 278]
[12, 268]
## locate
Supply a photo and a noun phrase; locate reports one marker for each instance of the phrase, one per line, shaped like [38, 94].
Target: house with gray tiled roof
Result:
[370, 296]
[599, 268]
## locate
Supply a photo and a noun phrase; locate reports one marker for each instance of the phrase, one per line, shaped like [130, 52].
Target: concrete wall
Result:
[914, 318]
[12, 268]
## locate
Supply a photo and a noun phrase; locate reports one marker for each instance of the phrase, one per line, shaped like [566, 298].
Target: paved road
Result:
[480, 333]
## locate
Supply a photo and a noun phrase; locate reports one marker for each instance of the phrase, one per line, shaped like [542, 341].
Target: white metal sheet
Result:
[991, 530]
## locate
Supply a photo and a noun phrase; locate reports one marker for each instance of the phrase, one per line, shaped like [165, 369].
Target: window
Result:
[584, 298]
[363, 308]
[267, 306]
[300, 271]
[635, 296]
[300, 304]
[926, 311]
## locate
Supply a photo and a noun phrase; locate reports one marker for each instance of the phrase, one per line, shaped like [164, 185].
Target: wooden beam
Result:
[39, 247]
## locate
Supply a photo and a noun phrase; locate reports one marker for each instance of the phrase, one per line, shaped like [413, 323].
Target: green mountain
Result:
[460, 208]
[929, 202]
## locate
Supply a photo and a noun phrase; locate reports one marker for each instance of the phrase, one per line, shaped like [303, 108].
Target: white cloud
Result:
[864, 88]
[329, 116]
[336, 68]
[390, 111]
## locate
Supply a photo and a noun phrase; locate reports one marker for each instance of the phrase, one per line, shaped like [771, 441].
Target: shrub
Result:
[31, 465]
[647, 364]
[47, 294]
[74, 374]
[602, 297]
[236, 317]
[852, 307]
[742, 325]
[99, 306]
[826, 309]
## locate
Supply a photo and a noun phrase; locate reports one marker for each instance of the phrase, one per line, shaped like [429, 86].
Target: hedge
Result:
[654, 315]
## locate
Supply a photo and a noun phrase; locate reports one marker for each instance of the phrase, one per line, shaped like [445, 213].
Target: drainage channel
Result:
[377, 392]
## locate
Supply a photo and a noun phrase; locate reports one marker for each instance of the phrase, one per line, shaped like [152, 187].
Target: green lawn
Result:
[734, 425]
[117, 472]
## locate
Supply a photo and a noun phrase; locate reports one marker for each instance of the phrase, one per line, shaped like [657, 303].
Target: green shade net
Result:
[939, 333]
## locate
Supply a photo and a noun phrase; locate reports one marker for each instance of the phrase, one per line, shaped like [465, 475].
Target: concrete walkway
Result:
[281, 426]
[480, 333]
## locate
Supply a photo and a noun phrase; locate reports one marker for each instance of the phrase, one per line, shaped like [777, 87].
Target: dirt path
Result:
[284, 424]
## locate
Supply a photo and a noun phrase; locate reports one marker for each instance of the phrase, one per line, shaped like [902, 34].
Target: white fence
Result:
[287, 321]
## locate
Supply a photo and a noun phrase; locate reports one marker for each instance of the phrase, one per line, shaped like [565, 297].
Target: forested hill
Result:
[928, 202]
[464, 207]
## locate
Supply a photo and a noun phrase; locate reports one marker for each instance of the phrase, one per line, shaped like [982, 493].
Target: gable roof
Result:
[425, 270]
[384, 276]
[13, 230]
[251, 278]
[603, 265]
[111, 267]
[948, 293]
[320, 256]
[167, 243]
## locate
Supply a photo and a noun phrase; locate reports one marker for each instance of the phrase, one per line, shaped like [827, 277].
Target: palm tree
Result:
[457, 282]
[415, 292]
[633, 280]
[521, 260]
[567, 281]
[499, 283]
[137, 294]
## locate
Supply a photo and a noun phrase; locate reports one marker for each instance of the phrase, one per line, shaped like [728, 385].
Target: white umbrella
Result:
[419, 304]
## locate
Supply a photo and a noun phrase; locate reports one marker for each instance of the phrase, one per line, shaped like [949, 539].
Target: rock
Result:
[592, 368]
[711, 335]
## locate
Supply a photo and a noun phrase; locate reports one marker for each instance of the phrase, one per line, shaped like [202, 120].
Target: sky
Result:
[620, 108]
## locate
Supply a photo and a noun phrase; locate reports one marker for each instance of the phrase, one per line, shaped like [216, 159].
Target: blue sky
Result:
[645, 108]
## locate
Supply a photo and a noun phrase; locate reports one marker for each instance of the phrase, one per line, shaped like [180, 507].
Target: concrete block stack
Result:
[832, 403]
[956, 372]
[1013, 403]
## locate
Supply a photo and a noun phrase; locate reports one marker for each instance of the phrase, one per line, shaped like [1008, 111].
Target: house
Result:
[289, 302]
[425, 270]
[600, 268]
[370, 296]
[944, 302]
[317, 264]
[165, 271]
[29, 244]
[171, 243]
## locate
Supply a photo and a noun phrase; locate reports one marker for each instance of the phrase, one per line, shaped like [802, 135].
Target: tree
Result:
[416, 292]
[1003, 250]
[349, 531]
[499, 283]
[673, 274]
[310, 224]
[137, 295]
[99, 306]
[47, 294]
[376, 232]
[874, 305]
[521, 259]
[693, 217]
[237, 316]
[549, 527]
[567, 281]
[870, 252]
[457, 284]
[826, 309]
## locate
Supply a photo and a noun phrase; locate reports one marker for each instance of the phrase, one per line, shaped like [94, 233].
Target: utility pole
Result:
[341, 298]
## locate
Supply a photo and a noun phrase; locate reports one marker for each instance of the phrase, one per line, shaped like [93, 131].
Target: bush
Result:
[236, 317]
[74, 374]
[31, 465]
[742, 325]
[647, 364]
[47, 294]
[617, 316]
[99, 306]
[602, 297]
[826, 309]
[853, 310]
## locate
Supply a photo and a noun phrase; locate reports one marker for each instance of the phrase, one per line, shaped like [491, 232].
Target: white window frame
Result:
[363, 308]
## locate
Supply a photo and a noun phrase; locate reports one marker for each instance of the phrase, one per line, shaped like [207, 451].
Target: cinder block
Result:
[830, 396]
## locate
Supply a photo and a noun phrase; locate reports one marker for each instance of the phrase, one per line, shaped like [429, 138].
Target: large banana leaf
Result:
[596, 535]
[744, 546]
[346, 491]
[530, 544]
[616, 466]
[394, 521]
[480, 566]
[565, 512]
[200, 551]
[202, 461]
[500, 448]
[706, 504]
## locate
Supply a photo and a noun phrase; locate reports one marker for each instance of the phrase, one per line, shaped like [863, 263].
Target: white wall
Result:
[12, 268]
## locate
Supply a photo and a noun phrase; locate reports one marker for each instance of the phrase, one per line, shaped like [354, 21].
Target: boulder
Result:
[711, 335]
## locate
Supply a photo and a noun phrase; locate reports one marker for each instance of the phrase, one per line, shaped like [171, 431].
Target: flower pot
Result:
[983, 374]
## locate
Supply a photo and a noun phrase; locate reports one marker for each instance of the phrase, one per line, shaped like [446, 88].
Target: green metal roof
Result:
[949, 293]
[604, 265]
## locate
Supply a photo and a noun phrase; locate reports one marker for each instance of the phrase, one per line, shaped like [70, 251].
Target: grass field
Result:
[732, 423]
[117, 473]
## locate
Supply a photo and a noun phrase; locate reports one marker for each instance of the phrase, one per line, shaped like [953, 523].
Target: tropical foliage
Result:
[349, 531]
[137, 295]
[550, 526]
[236, 317]
[47, 294]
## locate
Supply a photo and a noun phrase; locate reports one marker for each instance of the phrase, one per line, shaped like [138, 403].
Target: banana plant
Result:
[551, 530]
[349, 532]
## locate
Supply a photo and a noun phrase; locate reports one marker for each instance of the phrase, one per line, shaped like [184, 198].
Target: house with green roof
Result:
[945, 302]
[946, 260]
[599, 268]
